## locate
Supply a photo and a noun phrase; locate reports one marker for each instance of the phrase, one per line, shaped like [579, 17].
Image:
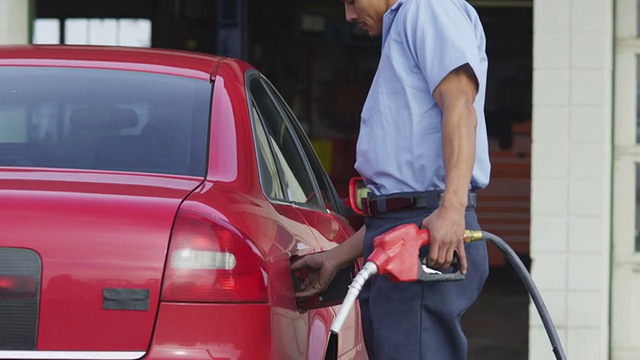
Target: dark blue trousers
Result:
[419, 320]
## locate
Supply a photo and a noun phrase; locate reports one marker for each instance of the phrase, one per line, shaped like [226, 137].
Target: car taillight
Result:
[211, 261]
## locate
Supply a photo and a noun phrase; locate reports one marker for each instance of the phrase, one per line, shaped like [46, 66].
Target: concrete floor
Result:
[497, 325]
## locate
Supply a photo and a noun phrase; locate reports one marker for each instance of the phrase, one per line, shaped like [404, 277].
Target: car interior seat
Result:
[87, 127]
[146, 152]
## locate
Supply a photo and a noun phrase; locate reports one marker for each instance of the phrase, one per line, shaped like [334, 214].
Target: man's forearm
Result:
[458, 147]
[350, 250]
[455, 96]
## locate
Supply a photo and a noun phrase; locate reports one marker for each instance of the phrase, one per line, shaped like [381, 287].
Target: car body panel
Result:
[87, 246]
[101, 229]
[286, 240]
[279, 240]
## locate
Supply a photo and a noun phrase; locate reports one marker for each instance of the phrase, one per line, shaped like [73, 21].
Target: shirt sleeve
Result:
[442, 37]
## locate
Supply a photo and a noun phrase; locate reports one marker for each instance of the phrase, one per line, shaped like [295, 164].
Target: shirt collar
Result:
[388, 19]
[395, 6]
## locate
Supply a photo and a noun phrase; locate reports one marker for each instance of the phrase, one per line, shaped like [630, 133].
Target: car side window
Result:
[266, 163]
[327, 191]
[299, 186]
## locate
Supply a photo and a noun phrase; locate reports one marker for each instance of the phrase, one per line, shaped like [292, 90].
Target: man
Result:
[422, 151]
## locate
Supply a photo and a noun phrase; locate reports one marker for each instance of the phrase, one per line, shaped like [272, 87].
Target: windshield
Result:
[103, 120]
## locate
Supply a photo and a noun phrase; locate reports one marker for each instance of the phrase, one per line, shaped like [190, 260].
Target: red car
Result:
[152, 202]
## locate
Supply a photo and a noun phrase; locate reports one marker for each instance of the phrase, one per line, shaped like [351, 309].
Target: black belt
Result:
[429, 200]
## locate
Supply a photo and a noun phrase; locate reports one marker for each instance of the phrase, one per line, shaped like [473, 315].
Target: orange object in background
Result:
[504, 207]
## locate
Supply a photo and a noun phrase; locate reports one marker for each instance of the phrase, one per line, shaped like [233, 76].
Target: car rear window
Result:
[103, 120]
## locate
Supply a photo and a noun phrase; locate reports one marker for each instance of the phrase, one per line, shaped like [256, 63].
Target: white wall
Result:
[571, 171]
[14, 21]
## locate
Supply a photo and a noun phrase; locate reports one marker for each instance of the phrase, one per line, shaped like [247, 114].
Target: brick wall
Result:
[571, 171]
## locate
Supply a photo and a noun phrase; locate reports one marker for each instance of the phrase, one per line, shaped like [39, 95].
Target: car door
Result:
[306, 187]
[330, 226]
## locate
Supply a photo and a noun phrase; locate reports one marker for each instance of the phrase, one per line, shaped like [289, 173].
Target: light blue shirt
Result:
[400, 142]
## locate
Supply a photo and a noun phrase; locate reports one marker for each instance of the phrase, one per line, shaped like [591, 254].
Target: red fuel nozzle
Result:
[396, 255]
[396, 252]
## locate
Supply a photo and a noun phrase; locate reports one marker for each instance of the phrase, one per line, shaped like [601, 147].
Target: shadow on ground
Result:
[497, 325]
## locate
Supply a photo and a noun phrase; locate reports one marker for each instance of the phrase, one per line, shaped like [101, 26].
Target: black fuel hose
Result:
[524, 275]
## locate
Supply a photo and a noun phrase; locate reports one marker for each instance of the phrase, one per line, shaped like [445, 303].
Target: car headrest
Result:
[100, 117]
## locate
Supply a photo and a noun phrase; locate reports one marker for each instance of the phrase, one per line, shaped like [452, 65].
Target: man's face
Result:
[367, 14]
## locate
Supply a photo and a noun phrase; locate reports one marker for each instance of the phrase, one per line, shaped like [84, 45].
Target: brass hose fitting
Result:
[473, 235]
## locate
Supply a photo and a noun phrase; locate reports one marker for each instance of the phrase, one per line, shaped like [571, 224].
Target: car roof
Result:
[172, 62]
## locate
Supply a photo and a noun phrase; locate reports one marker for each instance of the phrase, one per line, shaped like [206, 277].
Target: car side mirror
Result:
[357, 190]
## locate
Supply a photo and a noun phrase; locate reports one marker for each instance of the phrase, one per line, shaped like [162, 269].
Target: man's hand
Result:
[321, 270]
[446, 231]
[323, 267]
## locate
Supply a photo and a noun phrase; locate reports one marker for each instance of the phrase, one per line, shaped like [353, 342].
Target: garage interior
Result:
[323, 66]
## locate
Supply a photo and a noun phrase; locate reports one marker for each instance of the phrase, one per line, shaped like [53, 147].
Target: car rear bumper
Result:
[190, 331]
[211, 331]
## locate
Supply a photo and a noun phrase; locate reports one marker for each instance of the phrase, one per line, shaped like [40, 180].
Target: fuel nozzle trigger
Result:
[428, 274]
